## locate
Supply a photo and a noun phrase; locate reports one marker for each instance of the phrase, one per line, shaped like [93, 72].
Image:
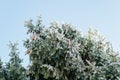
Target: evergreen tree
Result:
[2, 71]
[61, 52]
[15, 71]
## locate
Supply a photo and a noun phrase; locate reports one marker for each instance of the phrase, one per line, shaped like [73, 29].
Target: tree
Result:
[15, 71]
[61, 52]
[2, 71]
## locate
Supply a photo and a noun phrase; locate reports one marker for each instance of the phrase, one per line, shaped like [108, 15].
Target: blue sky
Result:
[103, 15]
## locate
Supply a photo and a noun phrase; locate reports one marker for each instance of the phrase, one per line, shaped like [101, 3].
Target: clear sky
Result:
[103, 15]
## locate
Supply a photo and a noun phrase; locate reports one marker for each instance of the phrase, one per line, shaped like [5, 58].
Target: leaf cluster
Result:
[61, 52]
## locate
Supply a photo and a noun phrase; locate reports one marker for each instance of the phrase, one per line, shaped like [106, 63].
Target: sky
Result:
[103, 15]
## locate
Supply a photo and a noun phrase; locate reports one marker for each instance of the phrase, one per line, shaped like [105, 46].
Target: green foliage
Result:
[61, 52]
[15, 71]
[2, 71]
